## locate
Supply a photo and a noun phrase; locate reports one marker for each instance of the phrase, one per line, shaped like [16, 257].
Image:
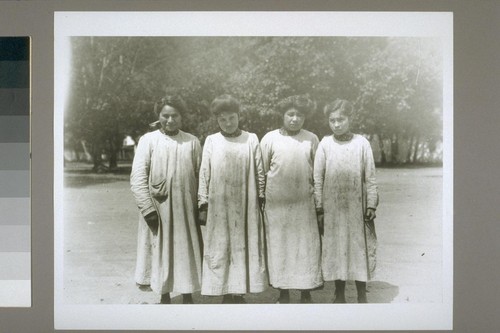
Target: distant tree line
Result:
[395, 83]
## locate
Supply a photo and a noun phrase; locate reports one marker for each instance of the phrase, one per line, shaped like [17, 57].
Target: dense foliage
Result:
[395, 83]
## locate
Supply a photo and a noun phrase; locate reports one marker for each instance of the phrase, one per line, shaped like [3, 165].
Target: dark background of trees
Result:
[395, 84]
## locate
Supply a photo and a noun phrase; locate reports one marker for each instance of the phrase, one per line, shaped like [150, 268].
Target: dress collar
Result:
[286, 132]
[169, 133]
[344, 137]
[231, 135]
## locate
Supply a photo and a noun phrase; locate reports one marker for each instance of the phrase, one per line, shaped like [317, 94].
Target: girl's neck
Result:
[169, 133]
[231, 135]
[343, 137]
[284, 131]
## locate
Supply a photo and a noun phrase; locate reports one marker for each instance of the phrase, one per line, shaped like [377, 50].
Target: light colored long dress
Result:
[292, 235]
[231, 181]
[345, 185]
[163, 179]
[144, 253]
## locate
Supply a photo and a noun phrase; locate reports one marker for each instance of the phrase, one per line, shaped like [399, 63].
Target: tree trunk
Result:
[395, 149]
[99, 167]
[114, 146]
[410, 150]
[113, 160]
[415, 151]
[383, 158]
[113, 155]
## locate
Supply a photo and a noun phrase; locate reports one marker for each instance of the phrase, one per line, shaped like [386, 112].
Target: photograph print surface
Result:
[112, 81]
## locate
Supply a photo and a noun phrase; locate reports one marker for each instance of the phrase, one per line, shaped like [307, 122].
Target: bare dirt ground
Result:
[100, 235]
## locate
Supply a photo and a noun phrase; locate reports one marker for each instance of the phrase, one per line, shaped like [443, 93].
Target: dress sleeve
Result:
[265, 147]
[197, 156]
[370, 179]
[319, 175]
[314, 146]
[204, 179]
[259, 166]
[139, 177]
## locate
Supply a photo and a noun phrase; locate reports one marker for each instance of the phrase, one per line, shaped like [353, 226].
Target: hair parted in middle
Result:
[344, 106]
[174, 101]
[301, 103]
[224, 103]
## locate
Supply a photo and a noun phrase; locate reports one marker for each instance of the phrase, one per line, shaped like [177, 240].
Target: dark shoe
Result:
[187, 299]
[305, 297]
[339, 299]
[165, 299]
[339, 292]
[238, 299]
[361, 288]
[284, 297]
[227, 299]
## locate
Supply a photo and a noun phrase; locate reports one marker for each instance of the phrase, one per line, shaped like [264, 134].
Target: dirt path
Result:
[100, 231]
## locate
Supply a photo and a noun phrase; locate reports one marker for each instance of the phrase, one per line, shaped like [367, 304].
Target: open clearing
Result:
[100, 231]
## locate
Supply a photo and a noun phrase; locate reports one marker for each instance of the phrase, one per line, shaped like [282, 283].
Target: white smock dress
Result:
[345, 185]
[231, 181]
[163, 179]
[292, 235]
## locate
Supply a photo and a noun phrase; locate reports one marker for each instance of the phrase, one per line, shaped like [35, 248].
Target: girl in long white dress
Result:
[292, 234]
[230, 193]
[346, 193]
[164, 184]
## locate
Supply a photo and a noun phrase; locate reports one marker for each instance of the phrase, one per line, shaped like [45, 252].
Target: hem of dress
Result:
[220, 290]
[296, 286]
[145, 282]
[183, 290]
[349, 278]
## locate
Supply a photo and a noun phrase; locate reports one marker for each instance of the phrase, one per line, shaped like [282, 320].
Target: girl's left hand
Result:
[370, 214]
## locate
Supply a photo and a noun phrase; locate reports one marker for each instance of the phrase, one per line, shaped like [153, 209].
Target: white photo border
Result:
[423, 316]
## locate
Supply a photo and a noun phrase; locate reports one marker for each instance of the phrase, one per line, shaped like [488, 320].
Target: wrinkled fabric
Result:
[163, 179]
[345, 185]
[292, 235]
[144, 253]
[231, 181]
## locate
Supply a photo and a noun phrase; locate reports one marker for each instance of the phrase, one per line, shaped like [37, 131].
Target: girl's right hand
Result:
[321, 219]
[202, 217]
[152, 222]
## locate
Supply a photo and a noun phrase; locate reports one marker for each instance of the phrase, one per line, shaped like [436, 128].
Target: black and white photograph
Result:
[253, 170]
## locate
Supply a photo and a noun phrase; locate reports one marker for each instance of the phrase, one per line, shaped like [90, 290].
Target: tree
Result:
[395, 84]
[401, 94]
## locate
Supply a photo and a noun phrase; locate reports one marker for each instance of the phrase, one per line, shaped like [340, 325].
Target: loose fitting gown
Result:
[144, 253]
[163, 179]
[345, 185]
[292, 235]
[231, 181]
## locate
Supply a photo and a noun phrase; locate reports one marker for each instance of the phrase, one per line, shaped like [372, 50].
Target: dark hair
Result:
[174, 101]
[345, 107]
[299, 102]
[224, 103]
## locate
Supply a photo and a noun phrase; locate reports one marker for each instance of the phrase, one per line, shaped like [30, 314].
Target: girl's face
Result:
[293, 120]
[228, 122]
[339, 123]
[170, 119]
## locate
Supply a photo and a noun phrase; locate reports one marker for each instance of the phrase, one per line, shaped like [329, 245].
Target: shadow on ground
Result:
[84, 178]
[378, 292]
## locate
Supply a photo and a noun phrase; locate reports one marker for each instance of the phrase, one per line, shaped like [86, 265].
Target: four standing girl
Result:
[164, 184]
[293, 240]
[346, 193]
[299, 187]
[230, 194]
